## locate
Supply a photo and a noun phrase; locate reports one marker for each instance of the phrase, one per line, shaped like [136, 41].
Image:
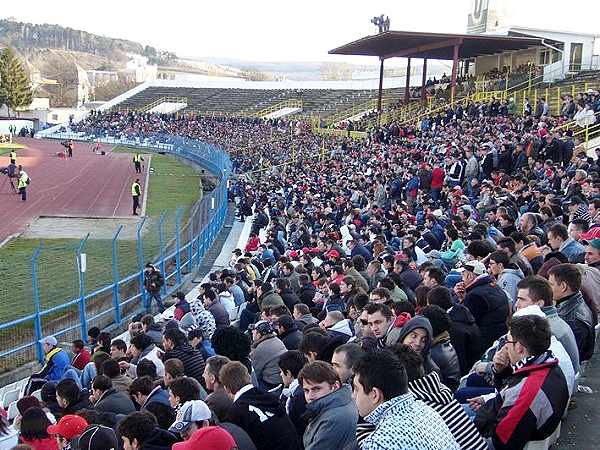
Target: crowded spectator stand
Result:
[441, 270]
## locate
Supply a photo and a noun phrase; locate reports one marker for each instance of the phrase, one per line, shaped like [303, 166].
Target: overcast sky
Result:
[282, 30]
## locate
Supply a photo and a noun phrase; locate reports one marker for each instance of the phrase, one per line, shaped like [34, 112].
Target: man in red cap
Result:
[67, 429]
[208, 438]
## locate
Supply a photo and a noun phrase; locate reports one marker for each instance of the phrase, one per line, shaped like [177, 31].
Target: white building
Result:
[561, 52]
[101, 77]
[138, 69]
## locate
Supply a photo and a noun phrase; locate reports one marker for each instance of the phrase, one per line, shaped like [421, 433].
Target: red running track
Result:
[86, 185]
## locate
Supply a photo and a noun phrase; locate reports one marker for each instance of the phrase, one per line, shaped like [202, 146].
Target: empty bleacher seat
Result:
[10, 396]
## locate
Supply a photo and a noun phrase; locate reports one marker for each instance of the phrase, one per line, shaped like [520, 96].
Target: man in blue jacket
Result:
[55, 362]
[358, 249]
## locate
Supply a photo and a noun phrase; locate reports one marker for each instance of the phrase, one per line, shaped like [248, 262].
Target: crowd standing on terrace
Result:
[430, 287]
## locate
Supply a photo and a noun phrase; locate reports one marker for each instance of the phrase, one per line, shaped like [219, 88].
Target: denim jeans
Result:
[84, 377]
[475, 387]
[156, 296]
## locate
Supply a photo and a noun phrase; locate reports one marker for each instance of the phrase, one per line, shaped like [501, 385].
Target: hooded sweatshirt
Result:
[508, 280]
[265, 358]
[159, 439]
[413, 324]
[263, 417]
[343, 327]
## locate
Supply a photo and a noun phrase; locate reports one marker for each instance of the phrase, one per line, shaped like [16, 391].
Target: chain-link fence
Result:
[98, 281]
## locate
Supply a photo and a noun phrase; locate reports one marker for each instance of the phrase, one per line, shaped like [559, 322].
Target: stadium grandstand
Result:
[379, 265]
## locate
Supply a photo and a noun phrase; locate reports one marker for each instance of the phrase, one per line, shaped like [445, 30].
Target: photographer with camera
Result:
[11, 172]
[68, 145]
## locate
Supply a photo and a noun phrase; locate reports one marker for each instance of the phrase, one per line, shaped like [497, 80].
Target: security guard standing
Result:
[23, 183]
[136, 193]
[13, 157]
[137, 162]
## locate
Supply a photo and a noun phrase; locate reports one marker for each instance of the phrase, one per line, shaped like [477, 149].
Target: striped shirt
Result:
[430, 390]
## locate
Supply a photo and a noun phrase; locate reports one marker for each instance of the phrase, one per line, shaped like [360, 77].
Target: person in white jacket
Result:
[227, 300]
[584, 117]
[141, 348]
[557, 349]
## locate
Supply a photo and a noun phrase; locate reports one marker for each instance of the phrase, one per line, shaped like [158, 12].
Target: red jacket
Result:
[81, 359]
[48, 443]
[437, 178]
[252, 244]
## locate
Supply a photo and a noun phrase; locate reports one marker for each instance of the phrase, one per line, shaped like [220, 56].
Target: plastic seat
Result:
[10, 397]
[12, 411]
[187, 321]
[37, 394]
[546, 443]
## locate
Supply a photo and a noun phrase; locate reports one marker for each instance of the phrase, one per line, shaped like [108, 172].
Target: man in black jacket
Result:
[292, 396]
[289, 297]
[176, 346]
[307, 290]
[288, 332]
[487, 302]
[107, 399]
[260, 414]
[70, 397]
[464, 333]
[140, 431]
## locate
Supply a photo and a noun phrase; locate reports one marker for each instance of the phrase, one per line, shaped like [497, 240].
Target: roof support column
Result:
[454, 70]
[424, 81]
[380, 93]
[407, 86]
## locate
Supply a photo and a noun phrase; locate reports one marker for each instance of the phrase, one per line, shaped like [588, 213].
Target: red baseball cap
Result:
[457, 191]
[69, 426]
[208, 438]
[332, 254]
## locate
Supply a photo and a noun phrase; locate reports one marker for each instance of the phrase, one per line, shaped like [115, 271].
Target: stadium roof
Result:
[392, 44]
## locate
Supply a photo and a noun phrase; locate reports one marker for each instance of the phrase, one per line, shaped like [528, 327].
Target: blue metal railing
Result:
[187, 252]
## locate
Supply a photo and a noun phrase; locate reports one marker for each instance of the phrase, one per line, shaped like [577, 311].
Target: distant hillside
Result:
[51, 54]
[28, 35]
